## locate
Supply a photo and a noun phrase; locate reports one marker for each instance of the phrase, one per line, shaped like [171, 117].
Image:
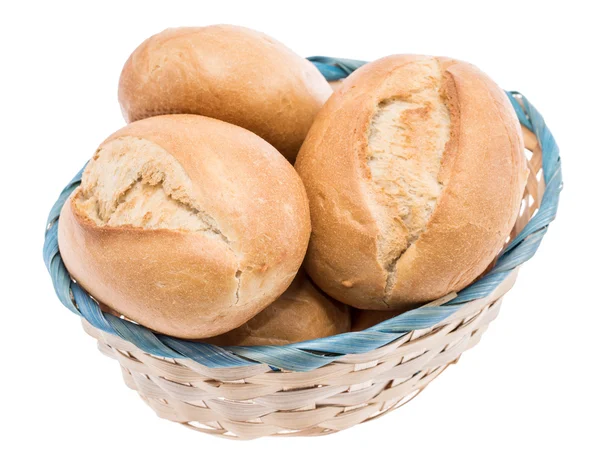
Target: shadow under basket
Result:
[326, 385]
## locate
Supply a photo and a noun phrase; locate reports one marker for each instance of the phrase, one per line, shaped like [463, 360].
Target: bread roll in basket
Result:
[328, 384]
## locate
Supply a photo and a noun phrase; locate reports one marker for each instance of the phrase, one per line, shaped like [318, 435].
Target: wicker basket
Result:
[326, 385]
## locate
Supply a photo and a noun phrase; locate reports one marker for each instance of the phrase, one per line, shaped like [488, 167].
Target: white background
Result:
[529, 389]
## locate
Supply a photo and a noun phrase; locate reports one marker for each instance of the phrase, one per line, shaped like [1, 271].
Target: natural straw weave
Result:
[329, 384]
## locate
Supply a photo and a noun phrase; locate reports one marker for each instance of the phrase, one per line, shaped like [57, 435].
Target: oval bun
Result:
[186, 224]
[300, 314]
[415, 171]
[226, 72]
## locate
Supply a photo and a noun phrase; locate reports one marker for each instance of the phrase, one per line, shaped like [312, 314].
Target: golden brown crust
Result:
[302, 313]
[226, 72]
[364, 318]
[186, 283]
[482, 171]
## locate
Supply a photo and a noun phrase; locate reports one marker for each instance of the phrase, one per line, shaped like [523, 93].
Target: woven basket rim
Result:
[308, 355]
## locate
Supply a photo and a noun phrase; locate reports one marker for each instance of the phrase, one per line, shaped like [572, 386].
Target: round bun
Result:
[301, 313]
[187, 225]
[414, 170]
[226, 72]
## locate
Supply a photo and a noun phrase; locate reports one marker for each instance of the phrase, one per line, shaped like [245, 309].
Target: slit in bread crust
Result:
[133, 182]
[407, 138]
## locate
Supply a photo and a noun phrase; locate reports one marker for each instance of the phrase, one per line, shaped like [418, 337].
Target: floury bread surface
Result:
[302, 313]
[414, 170]
[186, 224]
[226, 72]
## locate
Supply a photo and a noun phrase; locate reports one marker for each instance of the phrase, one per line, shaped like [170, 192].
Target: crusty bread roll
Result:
[414, 170]
[226, 72]
[300, 314]
[186, 224]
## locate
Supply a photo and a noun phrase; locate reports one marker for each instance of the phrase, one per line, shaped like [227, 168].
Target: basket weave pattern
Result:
[326, 385]
[254, 401]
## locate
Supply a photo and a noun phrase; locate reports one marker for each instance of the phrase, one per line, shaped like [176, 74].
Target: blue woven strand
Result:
[316, 353]
[514, 98]
[50, 246]
[545, 214]
[135, 333]
[360, 342]
[206, 354]
[287, 357]
[60, 277]
[62, 283]
[64, 195]
[333, 68]
[89, 309]
[55, 211]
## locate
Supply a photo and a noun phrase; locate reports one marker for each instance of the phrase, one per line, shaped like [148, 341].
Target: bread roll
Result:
[186, 224]
[226, 72]
[414, 170]
[300, 314]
